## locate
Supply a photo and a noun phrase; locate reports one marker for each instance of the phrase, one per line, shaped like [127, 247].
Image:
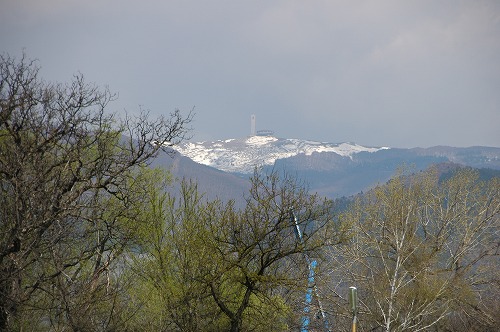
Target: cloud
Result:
[328, 70]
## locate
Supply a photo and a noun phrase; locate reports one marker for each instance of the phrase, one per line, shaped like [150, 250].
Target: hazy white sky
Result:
[384, 73]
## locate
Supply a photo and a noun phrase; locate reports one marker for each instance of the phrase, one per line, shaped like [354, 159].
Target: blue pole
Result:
[309, 294]
[310, 283]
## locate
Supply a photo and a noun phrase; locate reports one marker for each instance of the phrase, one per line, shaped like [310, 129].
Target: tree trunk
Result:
[8, 307]
[235, 325]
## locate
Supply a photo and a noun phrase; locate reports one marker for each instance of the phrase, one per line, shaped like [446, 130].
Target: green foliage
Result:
[168, 263]
[204, 265]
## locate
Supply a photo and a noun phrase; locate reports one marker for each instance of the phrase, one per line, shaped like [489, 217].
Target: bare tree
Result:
[65, 171]
[256, 250]
[420, 253]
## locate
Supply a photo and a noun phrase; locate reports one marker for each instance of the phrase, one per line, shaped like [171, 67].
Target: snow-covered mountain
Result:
[222, 167]
[241, 155]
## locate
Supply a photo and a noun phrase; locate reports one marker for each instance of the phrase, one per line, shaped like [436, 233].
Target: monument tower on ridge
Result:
[252, 125]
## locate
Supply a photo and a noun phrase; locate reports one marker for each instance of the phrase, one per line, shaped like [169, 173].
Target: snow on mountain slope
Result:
[243, 154]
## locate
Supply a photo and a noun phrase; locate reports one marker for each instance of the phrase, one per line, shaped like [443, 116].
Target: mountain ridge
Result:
[222, 167]
[241, 155]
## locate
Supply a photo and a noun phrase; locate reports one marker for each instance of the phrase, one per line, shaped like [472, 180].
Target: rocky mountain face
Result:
[222, 168]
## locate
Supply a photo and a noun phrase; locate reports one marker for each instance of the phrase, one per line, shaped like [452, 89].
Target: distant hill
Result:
[211, 181]
[223, 167]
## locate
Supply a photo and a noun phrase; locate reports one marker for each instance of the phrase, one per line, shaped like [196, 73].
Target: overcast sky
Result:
[380, 73]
